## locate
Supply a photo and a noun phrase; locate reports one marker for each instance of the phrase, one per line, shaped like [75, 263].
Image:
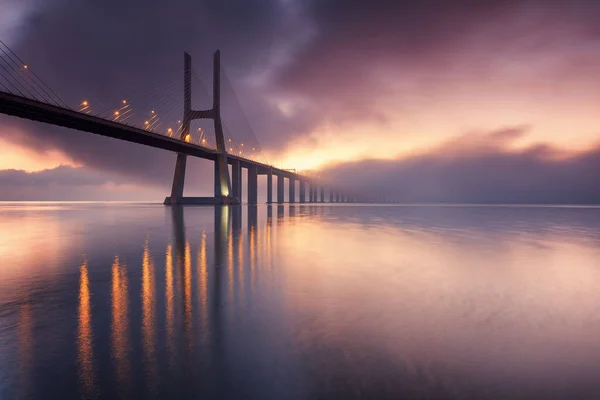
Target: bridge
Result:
[23, 94]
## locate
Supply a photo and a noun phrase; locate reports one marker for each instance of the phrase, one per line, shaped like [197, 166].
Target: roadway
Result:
[34, 110]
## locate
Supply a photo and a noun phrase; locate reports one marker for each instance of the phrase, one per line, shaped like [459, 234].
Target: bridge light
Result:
[169, 130]
[230, 149]
[116, 113]
[242, 144]
[25, 66]
[203, 140]
[152, 111]
[187, 138]
[124, 101]
[84, 103]
[178, 122]
[146, 122]
[230, 140]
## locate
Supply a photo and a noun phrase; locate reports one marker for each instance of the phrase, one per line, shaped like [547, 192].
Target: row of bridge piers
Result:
[309, 191]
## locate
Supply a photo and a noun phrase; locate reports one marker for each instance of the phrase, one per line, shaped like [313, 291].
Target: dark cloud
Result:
[68, 183]
[487, 170]
[359, 48]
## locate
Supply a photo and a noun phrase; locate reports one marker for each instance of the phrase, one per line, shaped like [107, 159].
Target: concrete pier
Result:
[223, 190]
[270, 186]
[322, 194]
[280, 197]
[292, 191]
[236, 179]
[252, 185]
[178, 178]
[302, 192]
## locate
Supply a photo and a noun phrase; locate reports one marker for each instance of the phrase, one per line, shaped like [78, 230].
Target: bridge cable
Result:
[229, 86]
[43, 85]
[22, 81]
[9, 81]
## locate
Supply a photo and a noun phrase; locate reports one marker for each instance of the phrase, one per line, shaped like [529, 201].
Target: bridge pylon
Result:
[223, 192]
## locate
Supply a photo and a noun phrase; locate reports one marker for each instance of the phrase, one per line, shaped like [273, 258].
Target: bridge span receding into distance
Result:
[227, 186]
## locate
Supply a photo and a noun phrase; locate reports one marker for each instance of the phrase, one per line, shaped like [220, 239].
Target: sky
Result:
[436, 101]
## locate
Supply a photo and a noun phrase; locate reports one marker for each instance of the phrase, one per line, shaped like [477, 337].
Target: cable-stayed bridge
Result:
[24, 94]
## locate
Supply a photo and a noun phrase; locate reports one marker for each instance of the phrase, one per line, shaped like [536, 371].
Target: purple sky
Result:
[465, 100]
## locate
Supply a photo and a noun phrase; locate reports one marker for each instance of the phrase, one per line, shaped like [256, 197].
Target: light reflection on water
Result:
[87, 373]
[299, 302]
[120, 327]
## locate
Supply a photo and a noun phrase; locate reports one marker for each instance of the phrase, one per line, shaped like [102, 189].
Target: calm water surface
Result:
[299, 302]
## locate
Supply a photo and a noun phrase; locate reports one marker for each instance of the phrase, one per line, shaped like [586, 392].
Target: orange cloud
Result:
[14, 156]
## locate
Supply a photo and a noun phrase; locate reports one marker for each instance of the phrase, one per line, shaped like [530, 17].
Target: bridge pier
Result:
[292, 190]
[223, 191]
[302, 192]
[322, 194]
[337, 197]
[252, 184]
[280, 197]
[270, 186]
[236, 179]
[178, 180]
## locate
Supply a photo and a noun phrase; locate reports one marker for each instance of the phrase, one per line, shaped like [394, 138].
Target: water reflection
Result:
[252, 238]
[316, 302]
[25, 348]
[169, 305]
[203, 286]
[148, 320]
[120, 345]
[187, 294]
[87, 374]
[238, 243]
[221, 226]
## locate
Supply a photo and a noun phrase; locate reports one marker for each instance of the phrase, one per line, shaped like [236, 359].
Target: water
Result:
[299, 302]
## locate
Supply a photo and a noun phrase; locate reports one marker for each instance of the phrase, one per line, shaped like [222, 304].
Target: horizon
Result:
[474, 102]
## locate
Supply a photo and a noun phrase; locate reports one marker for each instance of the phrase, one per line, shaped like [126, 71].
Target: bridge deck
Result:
[22, 107]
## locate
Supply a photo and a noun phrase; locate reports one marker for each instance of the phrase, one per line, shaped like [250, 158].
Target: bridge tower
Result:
[223, 193]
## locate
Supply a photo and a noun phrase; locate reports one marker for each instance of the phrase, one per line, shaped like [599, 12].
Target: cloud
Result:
[374, 63]
[325, 74]
[13, 14]
[69, 183]
[478, 168]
